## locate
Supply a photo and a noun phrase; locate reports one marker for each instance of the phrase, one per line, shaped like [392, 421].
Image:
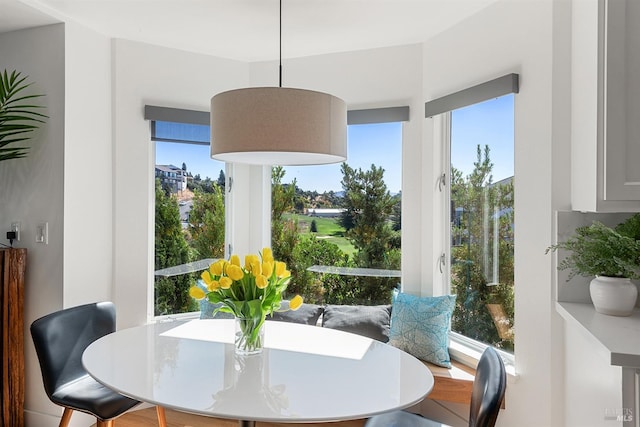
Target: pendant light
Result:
[278, 126]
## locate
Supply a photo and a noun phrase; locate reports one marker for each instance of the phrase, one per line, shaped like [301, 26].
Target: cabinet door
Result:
[630, 399]
[622, 100]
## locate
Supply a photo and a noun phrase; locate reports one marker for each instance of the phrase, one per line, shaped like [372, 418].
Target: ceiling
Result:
[247, 30]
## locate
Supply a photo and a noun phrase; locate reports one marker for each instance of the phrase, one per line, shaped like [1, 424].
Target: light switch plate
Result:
[42, 233]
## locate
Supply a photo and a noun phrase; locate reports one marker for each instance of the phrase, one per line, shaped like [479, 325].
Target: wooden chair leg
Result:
[162, 420]
[108, 423]
[66, 417]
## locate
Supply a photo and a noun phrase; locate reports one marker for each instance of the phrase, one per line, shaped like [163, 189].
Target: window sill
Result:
[174, 317]
[468, 352]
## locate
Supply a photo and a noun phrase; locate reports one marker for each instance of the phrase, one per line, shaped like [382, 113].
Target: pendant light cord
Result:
[280, 68]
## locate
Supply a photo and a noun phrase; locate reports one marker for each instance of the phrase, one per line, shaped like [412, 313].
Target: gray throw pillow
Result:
[369, 321]
[307, 314]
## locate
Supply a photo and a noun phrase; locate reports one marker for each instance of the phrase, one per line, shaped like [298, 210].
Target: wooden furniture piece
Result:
[192, 367]
[452, 385]
[13, 263]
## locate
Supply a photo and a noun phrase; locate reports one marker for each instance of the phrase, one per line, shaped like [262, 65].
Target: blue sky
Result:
[487, 123]
[196, 157]
[379, 144]
[490, 122]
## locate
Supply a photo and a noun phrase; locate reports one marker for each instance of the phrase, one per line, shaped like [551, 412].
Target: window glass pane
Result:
[344, 215]
[481, 217]
[189, 216]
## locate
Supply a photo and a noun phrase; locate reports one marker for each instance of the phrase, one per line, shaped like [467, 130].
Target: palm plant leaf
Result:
[13, 141]
[18, 115]
[11, 153]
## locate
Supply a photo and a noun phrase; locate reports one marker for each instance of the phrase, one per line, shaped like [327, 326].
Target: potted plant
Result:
[18, 116]
[612, 255]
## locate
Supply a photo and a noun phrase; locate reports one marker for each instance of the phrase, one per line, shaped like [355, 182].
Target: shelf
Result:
[354, 271]
[190, 267]
[620, 336]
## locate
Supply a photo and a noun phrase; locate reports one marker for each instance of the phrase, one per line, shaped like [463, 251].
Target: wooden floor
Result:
[147, 418]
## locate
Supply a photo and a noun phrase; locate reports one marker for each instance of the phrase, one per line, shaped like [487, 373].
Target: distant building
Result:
[172, 177]
[325, 213]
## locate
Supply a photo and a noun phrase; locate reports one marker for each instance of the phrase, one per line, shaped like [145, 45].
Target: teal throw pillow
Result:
[420, 326]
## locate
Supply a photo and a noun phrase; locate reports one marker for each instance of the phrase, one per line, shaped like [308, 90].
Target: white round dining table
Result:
[304, 374]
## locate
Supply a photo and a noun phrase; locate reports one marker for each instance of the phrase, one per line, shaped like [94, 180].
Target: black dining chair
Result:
[60, 338]
[486, 398]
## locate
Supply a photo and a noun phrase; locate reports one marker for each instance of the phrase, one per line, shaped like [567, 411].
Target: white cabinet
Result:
[605, 121]
[604, 367]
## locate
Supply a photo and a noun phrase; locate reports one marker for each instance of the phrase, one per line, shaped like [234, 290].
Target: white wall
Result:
[88, 168]
[31, 189]
[88, 175]
[516, 37]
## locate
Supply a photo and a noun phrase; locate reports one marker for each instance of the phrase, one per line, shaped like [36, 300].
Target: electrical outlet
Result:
[15, 227]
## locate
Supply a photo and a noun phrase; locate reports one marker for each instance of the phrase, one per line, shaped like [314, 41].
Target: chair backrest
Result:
[488, 390]
[60, 338]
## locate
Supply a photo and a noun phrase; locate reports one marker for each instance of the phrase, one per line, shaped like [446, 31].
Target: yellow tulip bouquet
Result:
[250, 293]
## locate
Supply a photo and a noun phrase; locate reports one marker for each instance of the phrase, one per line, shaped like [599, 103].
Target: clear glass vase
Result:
[249, 336]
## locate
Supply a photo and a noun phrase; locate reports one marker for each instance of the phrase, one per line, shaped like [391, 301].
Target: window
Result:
[314, 220]
[343, 215]
[189, 212]
[481, 218]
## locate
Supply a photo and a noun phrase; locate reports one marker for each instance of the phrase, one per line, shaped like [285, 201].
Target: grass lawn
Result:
[328, 229]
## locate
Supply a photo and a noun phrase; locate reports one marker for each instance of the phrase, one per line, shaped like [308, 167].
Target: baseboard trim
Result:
[39, 419]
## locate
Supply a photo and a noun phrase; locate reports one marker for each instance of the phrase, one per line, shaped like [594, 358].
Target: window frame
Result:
[462, 348]
[154, 114]
[397, 116]
[184, 117]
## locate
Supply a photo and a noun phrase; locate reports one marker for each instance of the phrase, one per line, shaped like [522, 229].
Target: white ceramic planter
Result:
[613, 295]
